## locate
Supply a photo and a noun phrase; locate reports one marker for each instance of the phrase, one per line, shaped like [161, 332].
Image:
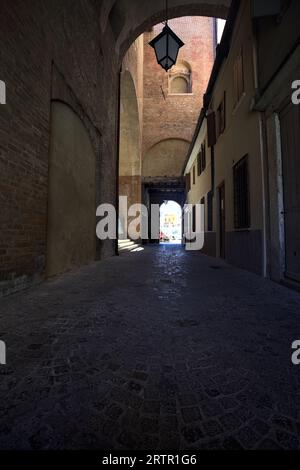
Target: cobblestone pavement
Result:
[156, 350]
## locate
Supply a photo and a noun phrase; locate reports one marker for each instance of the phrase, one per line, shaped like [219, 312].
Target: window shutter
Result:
[223, 116]
[262, 8]
[203, 159]
[188, 182]
[199, 163]
[235, 82]
[211, 129]
[238, 77]
[241, 74]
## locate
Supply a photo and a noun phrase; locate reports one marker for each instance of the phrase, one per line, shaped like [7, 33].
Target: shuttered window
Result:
[199, 163]
[211, 129]
[188, 182]
[201, 160]
[241, 194]
[238, 77]
[221, 115]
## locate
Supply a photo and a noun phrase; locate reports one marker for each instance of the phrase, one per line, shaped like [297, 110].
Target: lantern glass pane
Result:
[173, 48]
[165, 63]
[161, 48]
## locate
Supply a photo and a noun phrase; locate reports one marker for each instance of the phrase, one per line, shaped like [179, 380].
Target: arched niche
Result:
[71, 230]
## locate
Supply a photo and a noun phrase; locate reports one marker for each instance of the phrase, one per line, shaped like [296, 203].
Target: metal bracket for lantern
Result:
[166, 46]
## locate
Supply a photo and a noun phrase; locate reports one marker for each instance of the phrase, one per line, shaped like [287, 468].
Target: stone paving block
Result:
[192, 434]
[127, 374]
[247, 437]
[190, 414]
[211, 428]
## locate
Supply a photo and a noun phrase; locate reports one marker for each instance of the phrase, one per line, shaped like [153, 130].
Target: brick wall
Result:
[36, 37]
[175, 116]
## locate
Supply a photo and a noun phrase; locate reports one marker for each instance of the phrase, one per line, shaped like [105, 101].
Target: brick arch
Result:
[128, 20]
[165, 158]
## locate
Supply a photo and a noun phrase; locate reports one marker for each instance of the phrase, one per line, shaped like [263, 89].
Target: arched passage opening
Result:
[170, 223]
[128, 20]
[159, 111]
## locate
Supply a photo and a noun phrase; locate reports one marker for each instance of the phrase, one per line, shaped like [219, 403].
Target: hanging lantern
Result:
[166, 46]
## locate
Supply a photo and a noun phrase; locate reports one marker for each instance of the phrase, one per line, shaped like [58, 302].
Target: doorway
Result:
[170, 223]
[290, 137]
[222, 226]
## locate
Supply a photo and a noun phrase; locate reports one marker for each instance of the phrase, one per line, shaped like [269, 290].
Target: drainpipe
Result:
[263, 156]
[118, 159]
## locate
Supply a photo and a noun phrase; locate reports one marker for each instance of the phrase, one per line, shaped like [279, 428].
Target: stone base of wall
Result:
[18, 284]
[244, 250]
[209, 248]
[130, 186]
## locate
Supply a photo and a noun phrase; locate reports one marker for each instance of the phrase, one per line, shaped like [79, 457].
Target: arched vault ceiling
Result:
[130, 18]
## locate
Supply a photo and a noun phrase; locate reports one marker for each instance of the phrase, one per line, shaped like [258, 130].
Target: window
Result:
[238, 77]
[180, 79]
[194, 174]
[241, 194]
[221, 116]
[202, 202]
[194, 220]
[188, 182]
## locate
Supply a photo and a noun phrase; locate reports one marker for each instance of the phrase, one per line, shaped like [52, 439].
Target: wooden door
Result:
[222, 232]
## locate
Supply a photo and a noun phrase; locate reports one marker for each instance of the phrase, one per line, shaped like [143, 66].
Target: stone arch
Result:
[116, 19]
[71, 237]
[182, 66]
[165, 158]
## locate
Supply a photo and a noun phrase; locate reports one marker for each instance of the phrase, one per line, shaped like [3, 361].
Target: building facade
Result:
[278, 79]
[243, 163]
[224, 166]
